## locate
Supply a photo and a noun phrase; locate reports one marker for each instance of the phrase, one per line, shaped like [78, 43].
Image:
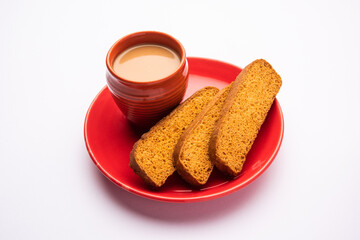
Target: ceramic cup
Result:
[145, 103]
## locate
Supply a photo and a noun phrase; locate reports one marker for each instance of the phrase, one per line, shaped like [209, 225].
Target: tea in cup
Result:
[147, 75]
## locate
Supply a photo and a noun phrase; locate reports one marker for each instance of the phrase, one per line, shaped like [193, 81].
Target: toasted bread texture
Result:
[152, 155]
[244, 111]
[191, 155]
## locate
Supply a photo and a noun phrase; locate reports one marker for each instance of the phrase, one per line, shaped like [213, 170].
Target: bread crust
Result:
[179, 148]
[136, 167]
[238, 85]
[217, 161]
[134, 164]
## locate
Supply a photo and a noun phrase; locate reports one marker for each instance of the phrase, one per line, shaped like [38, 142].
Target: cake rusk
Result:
[152, 155]
[244, 111]
[191, 155]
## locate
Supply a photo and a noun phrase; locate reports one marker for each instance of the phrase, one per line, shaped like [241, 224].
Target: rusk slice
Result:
[244, 111]
[152, 155]
[191, 155]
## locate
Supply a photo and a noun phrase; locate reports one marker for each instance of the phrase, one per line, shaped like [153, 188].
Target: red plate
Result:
[109, 139]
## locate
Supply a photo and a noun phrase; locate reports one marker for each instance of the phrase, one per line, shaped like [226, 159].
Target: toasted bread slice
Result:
[152, 155]
[244, 111]
[191, 155]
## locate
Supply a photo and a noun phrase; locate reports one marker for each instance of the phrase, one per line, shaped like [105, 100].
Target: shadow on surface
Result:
[181, 212]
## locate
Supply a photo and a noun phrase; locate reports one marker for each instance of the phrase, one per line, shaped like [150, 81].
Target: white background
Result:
[52, 64]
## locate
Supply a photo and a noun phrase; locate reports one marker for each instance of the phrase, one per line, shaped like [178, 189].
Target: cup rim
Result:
[181, 65]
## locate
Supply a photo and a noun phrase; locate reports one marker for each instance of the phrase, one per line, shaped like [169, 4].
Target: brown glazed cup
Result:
[145, 103]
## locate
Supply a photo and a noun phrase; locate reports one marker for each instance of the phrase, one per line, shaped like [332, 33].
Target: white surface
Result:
[52, 64]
